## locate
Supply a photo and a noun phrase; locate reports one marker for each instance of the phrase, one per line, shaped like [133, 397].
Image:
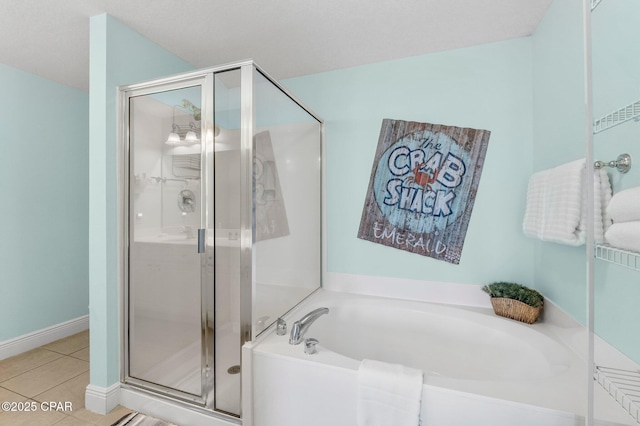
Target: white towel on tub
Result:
[388, 394]
[556, 208]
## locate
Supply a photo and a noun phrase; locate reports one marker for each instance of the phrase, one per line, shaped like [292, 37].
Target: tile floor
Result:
[57, 372]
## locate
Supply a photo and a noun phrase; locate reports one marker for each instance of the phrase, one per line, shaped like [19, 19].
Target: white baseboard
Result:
[29, 341]
[102, 400]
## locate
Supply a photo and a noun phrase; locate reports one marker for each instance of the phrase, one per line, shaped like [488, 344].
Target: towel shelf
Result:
[623, 386]
[628, 259]
[629, 112]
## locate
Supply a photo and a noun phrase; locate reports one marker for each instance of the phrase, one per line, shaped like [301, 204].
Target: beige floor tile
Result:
[82, 354]
[69, 344]
[45, 377]
[22, 363]
[38, 417]
[72, 421]
[99, 420]
[70, 391]
[7, 395]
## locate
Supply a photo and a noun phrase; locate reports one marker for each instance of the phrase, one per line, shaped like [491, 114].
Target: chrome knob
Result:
[281, 327]
[310, 346]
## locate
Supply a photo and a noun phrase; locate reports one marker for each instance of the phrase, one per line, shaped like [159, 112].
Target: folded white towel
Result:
[624, 235]
[556, 204]
[388, 394]
[625, 205]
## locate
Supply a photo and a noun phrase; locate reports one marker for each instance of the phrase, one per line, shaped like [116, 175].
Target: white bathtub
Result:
[479, 369]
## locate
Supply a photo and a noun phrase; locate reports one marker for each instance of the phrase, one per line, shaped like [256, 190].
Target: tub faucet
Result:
[301, 326]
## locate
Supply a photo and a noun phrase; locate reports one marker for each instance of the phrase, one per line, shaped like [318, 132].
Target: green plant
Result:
[514, 291]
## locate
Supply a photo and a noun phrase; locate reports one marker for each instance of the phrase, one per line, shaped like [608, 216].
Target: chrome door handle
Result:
[201, 240]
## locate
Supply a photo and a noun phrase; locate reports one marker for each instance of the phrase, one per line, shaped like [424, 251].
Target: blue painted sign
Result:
[422, 187]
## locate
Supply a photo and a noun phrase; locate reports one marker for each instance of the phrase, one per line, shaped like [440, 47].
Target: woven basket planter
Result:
[515, 309]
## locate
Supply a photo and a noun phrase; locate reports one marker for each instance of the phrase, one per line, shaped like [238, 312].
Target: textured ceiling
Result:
[287, 38]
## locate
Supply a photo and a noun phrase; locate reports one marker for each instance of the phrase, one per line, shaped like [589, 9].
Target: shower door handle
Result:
[201, 240]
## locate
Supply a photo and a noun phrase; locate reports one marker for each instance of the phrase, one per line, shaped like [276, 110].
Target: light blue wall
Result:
[118, 56]
[529, 92]
[559, 136]
[44, 154]
[485, 87]
[616, 83]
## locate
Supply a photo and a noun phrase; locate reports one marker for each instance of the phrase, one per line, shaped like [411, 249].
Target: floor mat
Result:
[138, 419]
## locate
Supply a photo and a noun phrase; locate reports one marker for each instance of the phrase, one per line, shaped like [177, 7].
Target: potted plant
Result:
[515, 301]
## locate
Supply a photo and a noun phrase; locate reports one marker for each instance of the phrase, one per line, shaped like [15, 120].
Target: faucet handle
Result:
[261, 323]
[310, 346]
[281, 327]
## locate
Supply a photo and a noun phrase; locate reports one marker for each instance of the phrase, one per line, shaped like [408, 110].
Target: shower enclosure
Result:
[222, 230]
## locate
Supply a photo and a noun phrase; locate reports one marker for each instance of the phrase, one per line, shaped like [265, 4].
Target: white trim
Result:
[102, 400]
[29, 341]
[402, 288]
[247, 383]
[170, 411]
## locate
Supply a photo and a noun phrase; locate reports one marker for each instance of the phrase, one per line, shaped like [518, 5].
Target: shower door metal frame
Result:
[125, 94]
[205, 78]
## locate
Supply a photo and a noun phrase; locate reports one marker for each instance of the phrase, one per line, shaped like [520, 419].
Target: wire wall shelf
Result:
[628, 259]
[630, 112]
[623, 386]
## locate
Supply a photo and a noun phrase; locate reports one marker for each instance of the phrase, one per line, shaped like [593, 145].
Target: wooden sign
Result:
[423, 185]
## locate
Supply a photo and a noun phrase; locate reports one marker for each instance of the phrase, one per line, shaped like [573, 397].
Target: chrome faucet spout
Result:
[301, 326]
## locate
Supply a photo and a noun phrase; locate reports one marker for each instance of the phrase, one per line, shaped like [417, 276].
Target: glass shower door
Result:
[166, 260]
[222, 190]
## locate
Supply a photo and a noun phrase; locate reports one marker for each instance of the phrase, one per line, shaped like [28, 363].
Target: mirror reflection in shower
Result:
[164, 265]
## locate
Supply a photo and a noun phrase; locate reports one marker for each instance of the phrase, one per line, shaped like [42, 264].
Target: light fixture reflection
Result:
[191, 138]
[190, 131]
[173, 139]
